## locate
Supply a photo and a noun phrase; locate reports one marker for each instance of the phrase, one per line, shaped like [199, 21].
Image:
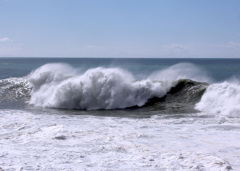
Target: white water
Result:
[13, 89]
[64, 142]
[221, 98]
[61, 86]
[98, 88]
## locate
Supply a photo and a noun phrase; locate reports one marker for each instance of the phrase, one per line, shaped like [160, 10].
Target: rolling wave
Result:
[171, 90]
[181, 98]
[61, 86]
[98, 88]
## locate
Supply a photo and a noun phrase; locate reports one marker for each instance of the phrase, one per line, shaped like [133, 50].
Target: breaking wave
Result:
[222, 98]
[180, 99]
[57, 86]
[179, 88]
[61, 86]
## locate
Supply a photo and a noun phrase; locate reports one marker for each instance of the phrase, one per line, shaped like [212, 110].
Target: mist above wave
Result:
[181, 71]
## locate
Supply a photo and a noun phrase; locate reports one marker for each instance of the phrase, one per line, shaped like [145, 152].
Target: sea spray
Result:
[50, 74]
[55, 86]
[181, 71]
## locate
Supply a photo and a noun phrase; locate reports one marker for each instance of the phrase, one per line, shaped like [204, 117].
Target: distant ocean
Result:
[119, 114]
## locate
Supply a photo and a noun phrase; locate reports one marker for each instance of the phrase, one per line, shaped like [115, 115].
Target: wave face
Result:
[222, 98]
[60, 86]
[181, 98]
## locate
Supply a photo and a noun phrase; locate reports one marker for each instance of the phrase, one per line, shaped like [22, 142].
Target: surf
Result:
[59, 85]
[181, 88]
[221, 98]
[97, 88]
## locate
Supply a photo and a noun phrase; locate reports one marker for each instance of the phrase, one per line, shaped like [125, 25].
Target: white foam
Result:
[63, 142]
[59, 86]
[14, 88]
[222, 98]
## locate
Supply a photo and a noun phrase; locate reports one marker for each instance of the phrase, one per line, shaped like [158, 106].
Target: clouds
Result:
[5, 39]
[232, 44]
[10, 48]
[228, 49]
[120, 29]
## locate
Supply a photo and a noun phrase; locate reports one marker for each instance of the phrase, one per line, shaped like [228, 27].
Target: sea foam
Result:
[222, 98]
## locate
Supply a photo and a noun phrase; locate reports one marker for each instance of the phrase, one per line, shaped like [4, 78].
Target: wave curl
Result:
[59, 86]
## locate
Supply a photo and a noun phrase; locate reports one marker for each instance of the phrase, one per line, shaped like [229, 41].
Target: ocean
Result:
[119, 114]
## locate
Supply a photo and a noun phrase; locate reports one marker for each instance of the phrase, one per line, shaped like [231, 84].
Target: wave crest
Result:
[98, 88]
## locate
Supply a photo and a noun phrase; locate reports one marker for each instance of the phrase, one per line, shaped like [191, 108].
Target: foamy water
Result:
[222, 98]
[62, 142]
[179, 119]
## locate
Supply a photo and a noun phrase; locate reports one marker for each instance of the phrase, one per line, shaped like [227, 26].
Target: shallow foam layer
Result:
[62, 142]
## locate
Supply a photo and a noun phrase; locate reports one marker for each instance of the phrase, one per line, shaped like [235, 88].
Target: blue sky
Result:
[120, 28]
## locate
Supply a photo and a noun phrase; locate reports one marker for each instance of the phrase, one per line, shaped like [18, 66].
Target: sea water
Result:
[119, 114]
